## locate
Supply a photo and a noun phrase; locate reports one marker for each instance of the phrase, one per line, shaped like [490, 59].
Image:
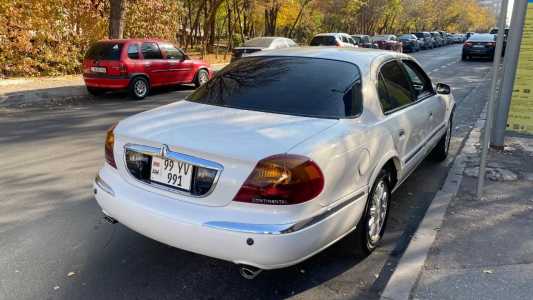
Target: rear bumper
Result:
[190, 227]
[106, 82]
[478, 52]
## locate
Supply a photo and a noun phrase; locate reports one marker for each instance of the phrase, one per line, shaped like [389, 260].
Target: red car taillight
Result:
[109, 145]
[468, 45]
[491, 44]
[283, 179]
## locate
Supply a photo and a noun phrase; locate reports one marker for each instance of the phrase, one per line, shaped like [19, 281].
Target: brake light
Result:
[283, 179]
[338, 43]
[492, 44]
[109, 145]
[468, 44]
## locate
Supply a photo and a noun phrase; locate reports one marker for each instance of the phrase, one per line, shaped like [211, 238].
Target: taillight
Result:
[468, 45]
[109, 145]
[492, 44]
[338, 43]
[283, 179]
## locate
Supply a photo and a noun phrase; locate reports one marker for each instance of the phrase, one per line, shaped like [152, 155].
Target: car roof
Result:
[331, 33]
[363, 57]
[133, 40]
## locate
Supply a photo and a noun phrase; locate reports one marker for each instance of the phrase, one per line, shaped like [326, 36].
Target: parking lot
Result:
[54, 243]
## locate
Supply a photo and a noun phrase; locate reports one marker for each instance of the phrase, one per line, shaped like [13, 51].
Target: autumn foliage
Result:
[50, 37]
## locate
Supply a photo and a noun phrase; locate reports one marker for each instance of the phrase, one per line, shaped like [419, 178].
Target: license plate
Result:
[98, 69]
[171, 172]
[479, 46]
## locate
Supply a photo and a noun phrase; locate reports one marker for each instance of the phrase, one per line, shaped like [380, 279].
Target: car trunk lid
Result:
[234, 138]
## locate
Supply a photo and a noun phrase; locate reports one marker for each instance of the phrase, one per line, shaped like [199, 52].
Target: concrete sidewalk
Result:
[484, 248]
[480, 248]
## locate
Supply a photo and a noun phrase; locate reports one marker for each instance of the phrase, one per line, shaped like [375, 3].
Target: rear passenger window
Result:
[151, 51]
[419, 80]
[394, 87]
[133, 51]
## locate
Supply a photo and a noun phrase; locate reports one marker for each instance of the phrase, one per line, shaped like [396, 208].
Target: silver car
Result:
[260, 44]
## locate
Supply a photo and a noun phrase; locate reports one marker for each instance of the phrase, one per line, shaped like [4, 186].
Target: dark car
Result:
[410, 43]
[261, 43]
[388, 42]
[363, 41]
[429, 41]
[479, 45]
[505, 36]
[138, 65]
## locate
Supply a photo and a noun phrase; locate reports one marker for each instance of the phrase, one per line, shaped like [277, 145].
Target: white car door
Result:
[404, 118]
[434, 105]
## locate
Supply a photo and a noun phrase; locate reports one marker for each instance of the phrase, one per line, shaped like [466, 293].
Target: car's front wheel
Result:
[139, 88]
[372, 224]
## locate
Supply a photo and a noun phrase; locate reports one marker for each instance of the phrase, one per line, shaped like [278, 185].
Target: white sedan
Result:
[278, 156]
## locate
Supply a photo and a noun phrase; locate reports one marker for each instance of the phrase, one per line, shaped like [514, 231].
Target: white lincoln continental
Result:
[278, 156]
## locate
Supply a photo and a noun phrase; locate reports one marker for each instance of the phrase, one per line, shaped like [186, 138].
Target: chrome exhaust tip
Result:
[110, 220]
[249, 272]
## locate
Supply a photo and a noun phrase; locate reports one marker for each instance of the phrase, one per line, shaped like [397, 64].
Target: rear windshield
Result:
[286, 85]
[419, 35]
[379, 38]
[406, 36]
[324, 40]
[258, 42]
[482, 38]
[105, 51]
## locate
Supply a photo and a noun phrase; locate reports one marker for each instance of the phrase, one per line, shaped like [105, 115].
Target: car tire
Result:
[440, 152]
[95, 91]
[201, 78]
[139, 88]
[368, 233]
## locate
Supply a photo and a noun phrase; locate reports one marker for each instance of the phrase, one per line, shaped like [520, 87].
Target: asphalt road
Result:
[54, 244]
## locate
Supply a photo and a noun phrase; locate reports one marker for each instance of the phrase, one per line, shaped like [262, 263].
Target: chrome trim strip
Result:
[164, 152]
[277, 229]
[103, 185]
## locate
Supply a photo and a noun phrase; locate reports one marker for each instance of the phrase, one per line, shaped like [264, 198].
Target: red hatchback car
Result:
[138, 65]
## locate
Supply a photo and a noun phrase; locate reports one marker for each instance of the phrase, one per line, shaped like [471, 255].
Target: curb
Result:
[408, 270]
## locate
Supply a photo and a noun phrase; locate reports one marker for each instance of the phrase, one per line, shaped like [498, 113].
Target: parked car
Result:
[138, 65]
[388, 42]
[333, 39]
[410, 43]
[363, 41]
[261, 43]
[429, 41]
[458, 38]
[506, 35]
[439, 41]
[479, 45]
[257, 170]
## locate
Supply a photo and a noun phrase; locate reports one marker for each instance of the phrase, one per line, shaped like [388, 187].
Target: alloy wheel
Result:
[140, 88]
[378, 211]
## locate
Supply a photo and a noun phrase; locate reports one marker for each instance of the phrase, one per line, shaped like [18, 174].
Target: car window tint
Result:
[420, 81]
[323, 40]
[133, 51]
[384, 99]
[171, 52]
[286, 85]
[105, 51]
[151, 51]
[397, 85]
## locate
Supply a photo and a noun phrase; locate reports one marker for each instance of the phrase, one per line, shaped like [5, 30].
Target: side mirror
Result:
[443, 89]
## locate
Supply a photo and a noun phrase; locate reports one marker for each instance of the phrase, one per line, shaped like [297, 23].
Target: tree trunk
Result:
[271, 18]
[116, 19]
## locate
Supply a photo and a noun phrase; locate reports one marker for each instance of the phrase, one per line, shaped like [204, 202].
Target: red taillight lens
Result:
[109, 145]
[282, 180]
[468, 44]
[492, 44]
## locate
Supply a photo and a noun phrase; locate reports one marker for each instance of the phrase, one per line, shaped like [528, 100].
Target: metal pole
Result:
[490, 114]
[511, 61]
